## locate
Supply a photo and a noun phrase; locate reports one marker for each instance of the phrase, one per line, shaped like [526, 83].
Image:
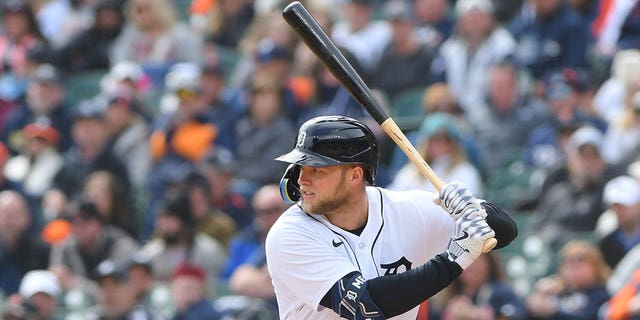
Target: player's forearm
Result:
[397, 294]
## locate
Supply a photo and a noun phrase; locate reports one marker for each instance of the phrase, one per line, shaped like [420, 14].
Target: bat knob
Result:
[489, 244]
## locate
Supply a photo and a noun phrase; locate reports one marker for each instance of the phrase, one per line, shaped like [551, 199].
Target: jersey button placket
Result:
[360, 245]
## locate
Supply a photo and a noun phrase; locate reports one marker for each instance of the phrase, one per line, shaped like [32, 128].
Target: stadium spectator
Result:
[38, 161]
[249, 276]
[76, 259]
[219, 167]
[155, 38]
[622, 196]
[619, 146]
[114, 204]
[90, 152]
[188, 289]
[576, 290]
[440, 144]
[247, 248]
[177, 240]
[37, 298]
[129, 134]
[405, 61]
[624, 303]
[464, 59]
[481, 292]
[258, 137]
[19, 34]
[116, 297]
[89, 49]
[210, 220]
[361, 34]
[546, 142]
[227, 21]
[570, 199]
[505, 117]
[550, 36]
[433, 22]
[20, 250]
[44, 102]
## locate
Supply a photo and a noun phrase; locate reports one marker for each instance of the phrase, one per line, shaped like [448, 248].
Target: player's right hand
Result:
[456, 199]
[471, 231]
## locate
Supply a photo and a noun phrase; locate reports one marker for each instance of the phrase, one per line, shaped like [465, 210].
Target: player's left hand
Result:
[456, 199]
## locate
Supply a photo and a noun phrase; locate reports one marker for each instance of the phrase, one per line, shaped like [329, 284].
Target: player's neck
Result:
[352, 215]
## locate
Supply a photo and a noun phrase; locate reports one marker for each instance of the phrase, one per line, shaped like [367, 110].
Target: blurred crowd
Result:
[137, 140]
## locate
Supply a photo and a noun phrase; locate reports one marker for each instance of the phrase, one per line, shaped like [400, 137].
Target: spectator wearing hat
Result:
[89, 153]
[220, 110]
[76, 259]
[440, 144]
[37, 298]
[177, 240]
[405, 61]
[478, 42]
[570, 199]
[128, 134]
[361, 34]
[148, 291]
[188, 289]
[546, 142]
[116, 299]
[35, 167]
[20, 250]
[44, 102]
[622, 196]
[559, 33]
[219, 167]
[89, 49]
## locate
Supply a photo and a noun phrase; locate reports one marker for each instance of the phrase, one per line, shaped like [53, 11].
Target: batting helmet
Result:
[329, 141]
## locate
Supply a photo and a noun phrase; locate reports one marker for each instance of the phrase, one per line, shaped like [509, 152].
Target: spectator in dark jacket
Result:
[89, 50]
[188, 290]
[622, 196]
[20, 250]
[551, 36]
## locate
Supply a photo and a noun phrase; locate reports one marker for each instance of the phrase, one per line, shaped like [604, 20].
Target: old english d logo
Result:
[392, 268]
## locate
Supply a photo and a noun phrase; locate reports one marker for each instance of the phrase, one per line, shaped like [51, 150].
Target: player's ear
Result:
[357, 173]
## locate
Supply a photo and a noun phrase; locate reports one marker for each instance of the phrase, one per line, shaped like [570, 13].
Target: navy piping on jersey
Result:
[375, 240]
[346, 243]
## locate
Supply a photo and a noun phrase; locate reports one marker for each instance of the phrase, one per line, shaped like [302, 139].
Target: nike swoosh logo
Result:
[336, 244]
[462, 237]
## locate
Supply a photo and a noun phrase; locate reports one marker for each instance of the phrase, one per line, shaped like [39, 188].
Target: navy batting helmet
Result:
[329, 141]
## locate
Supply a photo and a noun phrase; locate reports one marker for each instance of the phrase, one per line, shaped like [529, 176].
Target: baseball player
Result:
[348, 249]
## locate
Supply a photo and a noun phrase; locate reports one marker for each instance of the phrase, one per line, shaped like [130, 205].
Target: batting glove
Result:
[471, 231]
[456, 199]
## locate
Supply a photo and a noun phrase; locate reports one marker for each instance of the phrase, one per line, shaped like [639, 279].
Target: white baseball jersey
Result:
[307, 255]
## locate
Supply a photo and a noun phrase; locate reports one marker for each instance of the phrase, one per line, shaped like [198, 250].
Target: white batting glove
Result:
[471, 231]
[456, 199]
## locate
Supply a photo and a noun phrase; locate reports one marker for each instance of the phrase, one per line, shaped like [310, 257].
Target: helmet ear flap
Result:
[289, 188]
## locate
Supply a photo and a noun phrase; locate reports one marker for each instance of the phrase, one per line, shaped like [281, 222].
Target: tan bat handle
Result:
[391, 128]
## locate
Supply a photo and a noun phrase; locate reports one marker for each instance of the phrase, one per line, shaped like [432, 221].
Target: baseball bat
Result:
[308, 29]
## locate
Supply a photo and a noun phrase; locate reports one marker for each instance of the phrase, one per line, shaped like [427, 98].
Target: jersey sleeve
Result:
[301, 265]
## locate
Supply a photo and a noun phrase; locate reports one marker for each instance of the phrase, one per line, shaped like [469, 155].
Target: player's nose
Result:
[303, 177]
